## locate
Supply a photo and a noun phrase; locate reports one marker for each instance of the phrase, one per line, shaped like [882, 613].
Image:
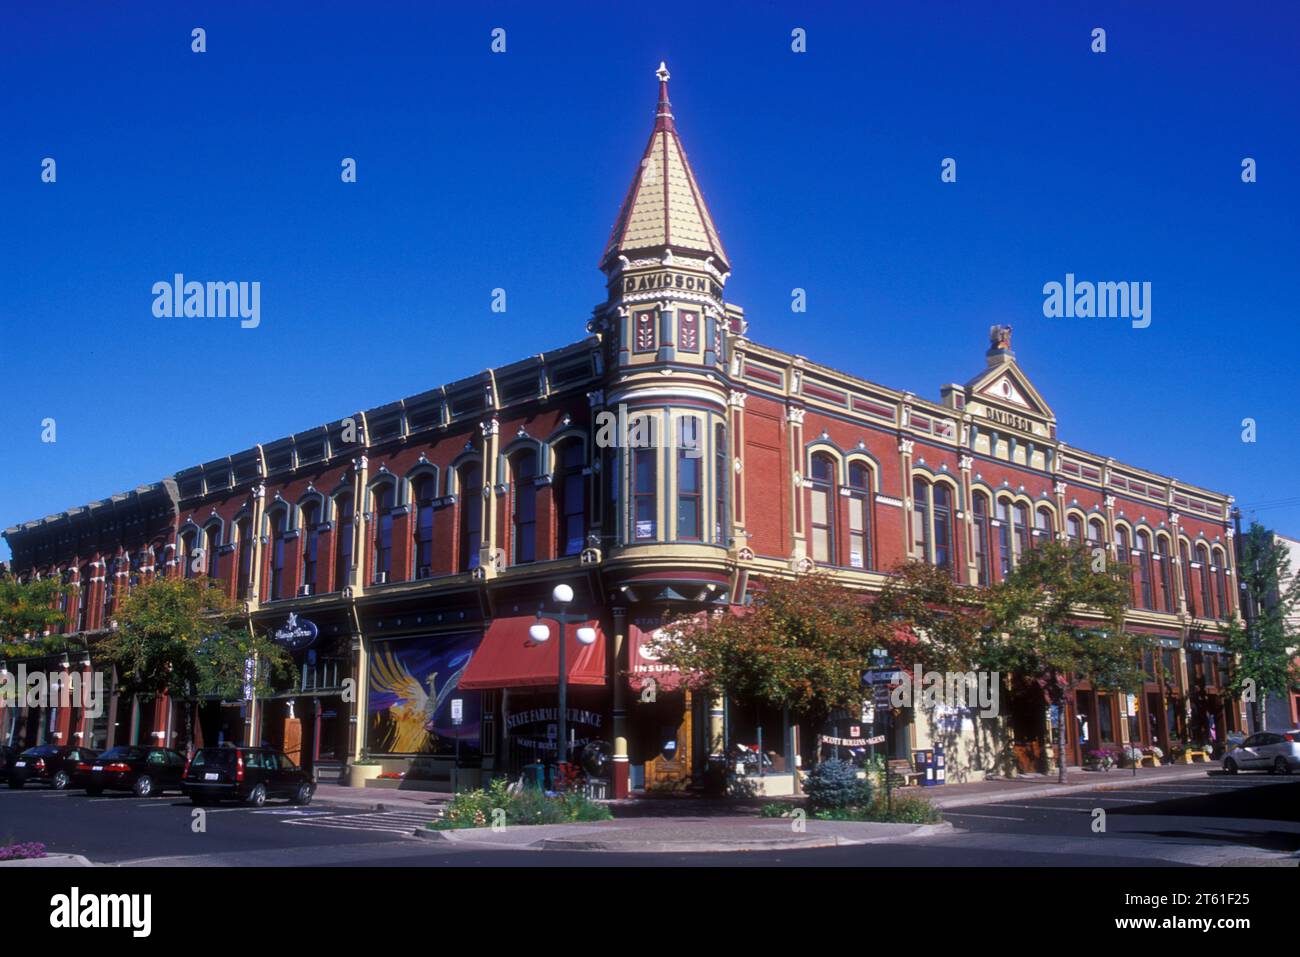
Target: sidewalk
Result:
[1044, 785]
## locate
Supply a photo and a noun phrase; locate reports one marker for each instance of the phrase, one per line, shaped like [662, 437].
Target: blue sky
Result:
[479, 170]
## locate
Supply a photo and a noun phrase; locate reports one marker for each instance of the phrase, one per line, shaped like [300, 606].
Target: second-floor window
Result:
[821, 516]
[1220, 570]
[471, 515]
[245, 546]
[982, 539]
[859, 504]
[690, 480]
[382, 564]
[279, 525]
[1189, 594]
[572, 498]
[932, 524]
[310, 545]
[343, 541]
[721, 473]
[523, 494]
[1166, 574]
[645, 480]
[83, 597]
[1003, 525]
[212, 550]
[188, 558]
[1207, 593]
[424, 495]
[1143, 559]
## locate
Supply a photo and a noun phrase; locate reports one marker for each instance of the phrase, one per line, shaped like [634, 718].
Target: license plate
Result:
[98, 767]
[20, 764]
[210, 776]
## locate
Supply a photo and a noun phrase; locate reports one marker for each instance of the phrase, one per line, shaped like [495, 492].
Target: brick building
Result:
[418, 540]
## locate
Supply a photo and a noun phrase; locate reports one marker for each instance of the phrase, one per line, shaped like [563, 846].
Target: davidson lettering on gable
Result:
[671, 280]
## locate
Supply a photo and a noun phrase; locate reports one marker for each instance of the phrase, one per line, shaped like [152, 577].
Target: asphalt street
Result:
[1247, 819]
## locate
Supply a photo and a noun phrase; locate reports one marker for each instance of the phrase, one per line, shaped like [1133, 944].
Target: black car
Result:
[49, 764]
[145, 771]
[250, 775]
[8, 755]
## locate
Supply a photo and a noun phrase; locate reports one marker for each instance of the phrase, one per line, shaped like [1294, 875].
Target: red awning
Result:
[508, 658]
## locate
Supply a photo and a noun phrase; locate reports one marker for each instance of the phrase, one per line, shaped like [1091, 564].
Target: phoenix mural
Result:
[412, 682]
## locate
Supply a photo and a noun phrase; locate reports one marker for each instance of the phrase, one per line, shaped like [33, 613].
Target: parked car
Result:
[250, 775]
[144, 771]
[49, 764]
[8, 755]
[1275, 751]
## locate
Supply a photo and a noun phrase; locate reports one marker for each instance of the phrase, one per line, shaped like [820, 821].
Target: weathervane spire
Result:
[664, 111]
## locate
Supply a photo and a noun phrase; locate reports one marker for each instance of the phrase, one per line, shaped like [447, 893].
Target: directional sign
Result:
[889, 676]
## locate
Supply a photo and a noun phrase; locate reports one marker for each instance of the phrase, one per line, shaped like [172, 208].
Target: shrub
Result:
[906, 809]
[835, 783]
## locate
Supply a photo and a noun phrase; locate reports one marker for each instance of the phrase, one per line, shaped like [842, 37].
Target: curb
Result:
[684, 847]
[51, 860]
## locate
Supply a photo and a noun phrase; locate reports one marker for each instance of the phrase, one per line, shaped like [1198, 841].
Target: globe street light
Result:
[540, 632]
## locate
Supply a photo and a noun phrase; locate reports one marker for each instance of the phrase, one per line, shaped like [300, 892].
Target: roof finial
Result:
[664, 111]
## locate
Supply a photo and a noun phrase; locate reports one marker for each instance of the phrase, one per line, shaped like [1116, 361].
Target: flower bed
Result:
[499, 806]
[22, 852]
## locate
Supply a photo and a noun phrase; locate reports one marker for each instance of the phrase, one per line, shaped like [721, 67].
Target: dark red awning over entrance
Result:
[509, 658]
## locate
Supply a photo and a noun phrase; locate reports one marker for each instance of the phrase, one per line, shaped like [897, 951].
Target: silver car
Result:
[1274, 751]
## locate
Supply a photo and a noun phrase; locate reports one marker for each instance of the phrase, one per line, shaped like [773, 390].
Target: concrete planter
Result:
[358, 774]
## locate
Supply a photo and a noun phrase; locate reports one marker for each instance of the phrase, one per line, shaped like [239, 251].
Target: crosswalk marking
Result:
[392, 822]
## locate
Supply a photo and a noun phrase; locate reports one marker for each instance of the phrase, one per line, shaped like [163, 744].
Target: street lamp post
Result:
[562, 595]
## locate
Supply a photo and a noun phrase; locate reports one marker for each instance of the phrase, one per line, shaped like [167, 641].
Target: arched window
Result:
[1166, 573]
[424, 491]
[1044, 527]
[523, 492]
[943, 550]
[245, 545]
[1021, 515]
[83, 597]
[859, 504]
[1123, 554]
[822, 514]
[1221, 583]
[1074, 530]
[1143, 557]
[187, 555]
[211, 550]
[470, 502]
[721, 474]
[1096, 533]
[384, 498]
[1207, 593]
[310, 545]
[344, 515]
[1003, 525]
[1188, 593]
[932, 523]
[645, 483]
[159, 559]
[571, 490]
[110, 588]
[983, 539]
[279, 520]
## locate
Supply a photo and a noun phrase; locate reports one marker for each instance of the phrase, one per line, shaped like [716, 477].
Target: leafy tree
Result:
[27, 610]
[801, 646]
[1038, 617]
[936, 622]
[1266, 650]
[182, 637]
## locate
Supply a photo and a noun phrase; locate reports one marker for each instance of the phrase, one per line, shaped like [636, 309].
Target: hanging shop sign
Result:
[295, 634]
